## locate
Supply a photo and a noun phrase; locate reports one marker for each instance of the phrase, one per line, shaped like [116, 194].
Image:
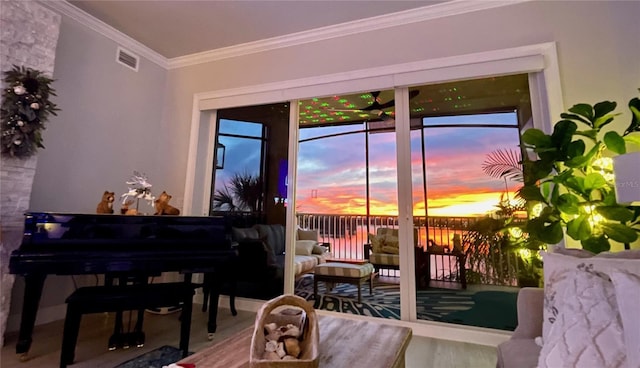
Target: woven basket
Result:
[310, 336]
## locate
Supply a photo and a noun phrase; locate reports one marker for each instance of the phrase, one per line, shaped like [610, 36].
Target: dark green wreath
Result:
[25, 109]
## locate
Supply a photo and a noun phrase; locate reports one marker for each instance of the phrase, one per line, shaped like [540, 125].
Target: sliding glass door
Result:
[465, 154]
[249, 189]
[434, 175]
[464, 167]
[465, 145]
[347, 191]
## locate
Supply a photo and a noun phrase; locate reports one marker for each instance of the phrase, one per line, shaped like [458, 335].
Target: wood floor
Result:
[91, 351]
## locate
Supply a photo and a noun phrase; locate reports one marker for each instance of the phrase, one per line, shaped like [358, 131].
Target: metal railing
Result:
[347, 235]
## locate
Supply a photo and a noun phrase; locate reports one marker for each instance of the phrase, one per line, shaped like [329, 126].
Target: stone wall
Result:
[28, 37]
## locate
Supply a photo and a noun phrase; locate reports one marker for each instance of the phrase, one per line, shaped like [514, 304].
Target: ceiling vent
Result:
[127, 58]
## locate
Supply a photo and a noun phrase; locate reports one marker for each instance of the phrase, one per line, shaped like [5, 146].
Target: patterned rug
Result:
[442, 305]
[343, 298]
[157, 358]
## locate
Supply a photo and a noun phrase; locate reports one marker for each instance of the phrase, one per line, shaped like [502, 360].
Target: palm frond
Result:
[223, 200]
[504, 163]
[247, 189]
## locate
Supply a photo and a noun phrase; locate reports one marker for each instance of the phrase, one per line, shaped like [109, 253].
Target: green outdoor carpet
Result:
[491, 309]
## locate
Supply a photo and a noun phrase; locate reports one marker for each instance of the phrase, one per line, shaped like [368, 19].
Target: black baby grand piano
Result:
[117, 245]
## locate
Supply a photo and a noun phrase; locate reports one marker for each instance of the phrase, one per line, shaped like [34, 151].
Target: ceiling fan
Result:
[377, 107]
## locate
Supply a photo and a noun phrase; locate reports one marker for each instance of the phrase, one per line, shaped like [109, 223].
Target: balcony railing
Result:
[347, 235]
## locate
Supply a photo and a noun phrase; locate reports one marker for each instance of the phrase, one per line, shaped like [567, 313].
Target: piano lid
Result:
[67, 229]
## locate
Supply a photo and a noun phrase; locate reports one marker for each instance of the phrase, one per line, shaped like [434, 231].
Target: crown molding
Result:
[65, 8]
[442, 10]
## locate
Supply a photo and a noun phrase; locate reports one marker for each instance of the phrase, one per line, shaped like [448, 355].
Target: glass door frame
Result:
[539, 61]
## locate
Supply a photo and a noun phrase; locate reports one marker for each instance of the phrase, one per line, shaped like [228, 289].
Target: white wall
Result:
[108, 126]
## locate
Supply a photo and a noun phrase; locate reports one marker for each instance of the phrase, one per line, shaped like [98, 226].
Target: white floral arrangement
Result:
[139, 188]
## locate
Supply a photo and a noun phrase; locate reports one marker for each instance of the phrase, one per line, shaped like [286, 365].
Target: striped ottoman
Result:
[344, 272]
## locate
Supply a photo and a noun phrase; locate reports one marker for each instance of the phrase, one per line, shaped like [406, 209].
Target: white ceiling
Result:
[175, 28]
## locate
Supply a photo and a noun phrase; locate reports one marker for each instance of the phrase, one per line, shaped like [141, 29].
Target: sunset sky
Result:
[331, 171]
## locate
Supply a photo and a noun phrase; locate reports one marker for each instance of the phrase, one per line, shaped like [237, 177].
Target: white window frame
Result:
[539, 61]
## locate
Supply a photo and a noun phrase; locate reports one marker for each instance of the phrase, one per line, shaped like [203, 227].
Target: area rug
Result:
[492, 309]
[343, 298]
[157, 358]
[487, 304]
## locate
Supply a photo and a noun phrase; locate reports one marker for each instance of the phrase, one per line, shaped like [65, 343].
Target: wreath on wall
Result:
[25, 109]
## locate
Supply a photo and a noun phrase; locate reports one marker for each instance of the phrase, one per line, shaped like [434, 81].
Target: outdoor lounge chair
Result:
[382, 251]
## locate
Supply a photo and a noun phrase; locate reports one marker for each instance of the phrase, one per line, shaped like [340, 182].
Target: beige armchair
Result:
[382, 251]
[310, 251]
[521, 350]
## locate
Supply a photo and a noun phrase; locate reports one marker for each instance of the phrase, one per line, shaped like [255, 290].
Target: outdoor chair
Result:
[382, 251]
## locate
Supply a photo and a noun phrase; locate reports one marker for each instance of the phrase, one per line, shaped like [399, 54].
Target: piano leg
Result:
[70, 335]
[205, 290]
[115, 340]
[213, 284]
[185, 319]
[138, 335]
[32, 294]
[232, 298]
[213, 313]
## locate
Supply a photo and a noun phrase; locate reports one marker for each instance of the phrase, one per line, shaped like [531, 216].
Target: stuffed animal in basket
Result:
[106, 204]
[163, 207]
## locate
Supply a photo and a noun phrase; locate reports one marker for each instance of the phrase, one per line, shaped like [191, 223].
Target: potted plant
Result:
[517, 247]
[569, 186]
[496, 250]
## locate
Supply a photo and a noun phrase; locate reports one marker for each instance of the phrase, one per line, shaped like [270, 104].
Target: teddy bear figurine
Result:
[106, 204]
[163, 207]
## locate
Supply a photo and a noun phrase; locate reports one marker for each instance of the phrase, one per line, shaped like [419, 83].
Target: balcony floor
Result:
[441, 302]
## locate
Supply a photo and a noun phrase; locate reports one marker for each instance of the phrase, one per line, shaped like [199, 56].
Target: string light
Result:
[604, 166]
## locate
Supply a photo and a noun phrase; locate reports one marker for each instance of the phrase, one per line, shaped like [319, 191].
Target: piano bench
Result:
[99, 299]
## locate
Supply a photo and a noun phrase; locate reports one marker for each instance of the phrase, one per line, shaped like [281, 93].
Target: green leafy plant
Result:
[486, 249]
[517, 248]
[497, 252]
[569, 187]
[25, 109]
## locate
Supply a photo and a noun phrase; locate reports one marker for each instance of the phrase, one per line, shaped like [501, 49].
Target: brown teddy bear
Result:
[106, 204]
[163, 207]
